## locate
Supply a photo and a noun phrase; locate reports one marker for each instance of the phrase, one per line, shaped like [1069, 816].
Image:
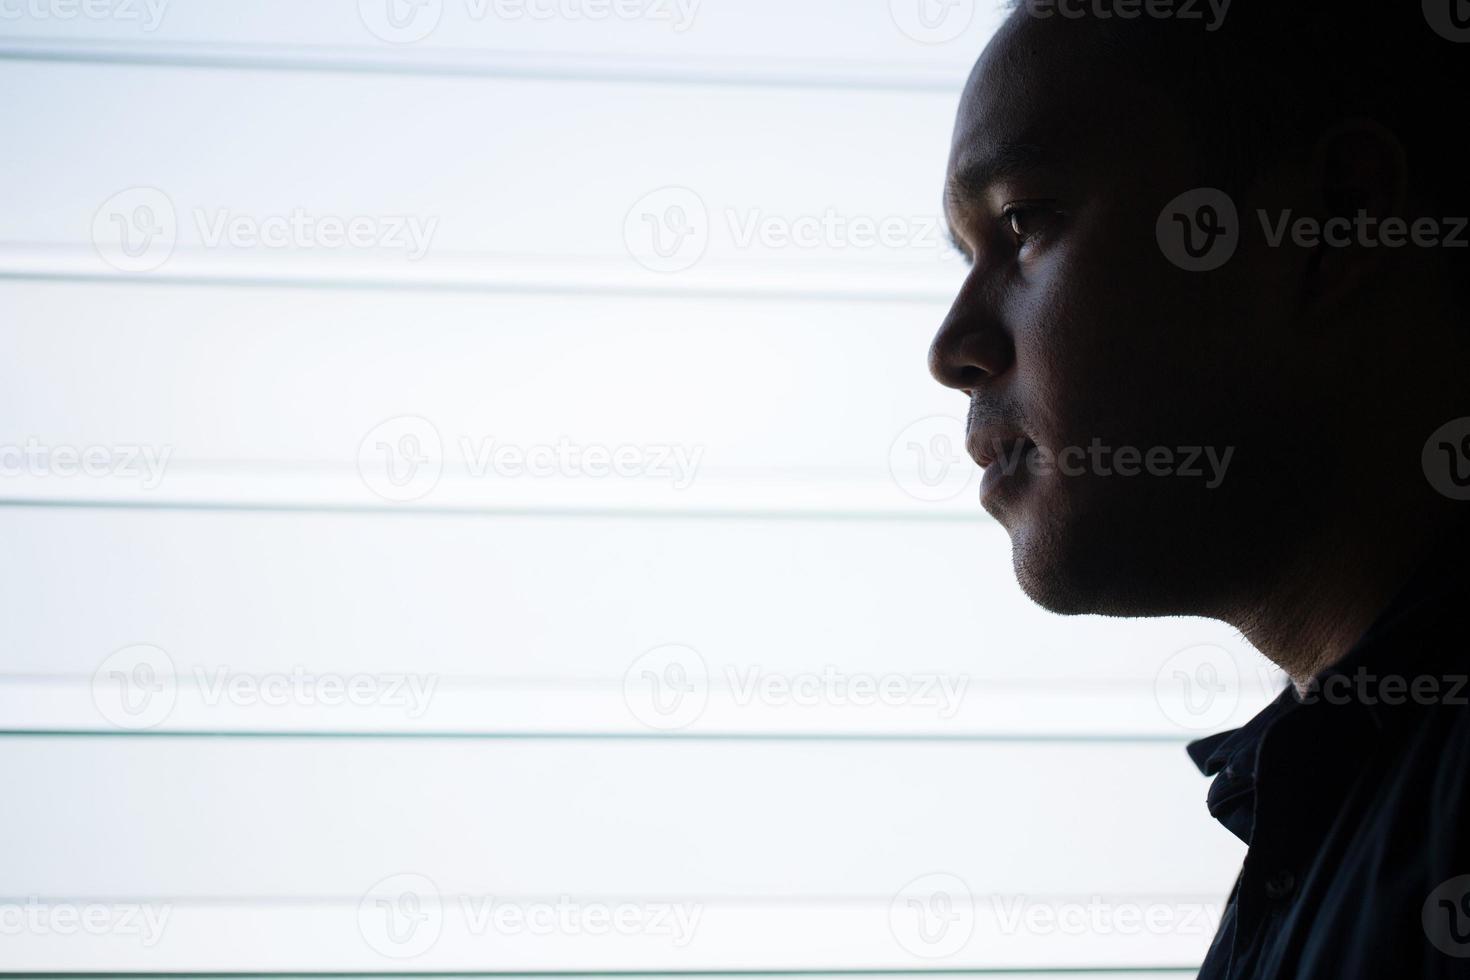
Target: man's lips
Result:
[988, 445]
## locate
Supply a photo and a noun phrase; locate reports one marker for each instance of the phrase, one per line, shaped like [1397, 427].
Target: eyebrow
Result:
[975, 175]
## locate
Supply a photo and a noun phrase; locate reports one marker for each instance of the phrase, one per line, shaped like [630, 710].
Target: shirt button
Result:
[1280, 885]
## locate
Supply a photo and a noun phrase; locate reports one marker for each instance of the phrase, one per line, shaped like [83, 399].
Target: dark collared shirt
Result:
[1355, 801]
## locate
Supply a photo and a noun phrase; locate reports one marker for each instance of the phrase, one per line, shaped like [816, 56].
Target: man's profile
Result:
[1247, 239]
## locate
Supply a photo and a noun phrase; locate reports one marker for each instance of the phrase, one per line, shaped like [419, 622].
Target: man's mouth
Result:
[988, 445]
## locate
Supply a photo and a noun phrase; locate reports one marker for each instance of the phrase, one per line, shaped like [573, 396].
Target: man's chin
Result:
[1045, 575]
[1073, 566]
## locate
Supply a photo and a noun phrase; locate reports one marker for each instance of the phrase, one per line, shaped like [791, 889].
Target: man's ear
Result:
[1361, 169]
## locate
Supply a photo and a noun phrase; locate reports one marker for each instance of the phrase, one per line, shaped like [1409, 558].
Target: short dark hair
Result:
[1273, 75]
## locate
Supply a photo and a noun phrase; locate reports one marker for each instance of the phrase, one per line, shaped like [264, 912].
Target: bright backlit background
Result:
[473, 501]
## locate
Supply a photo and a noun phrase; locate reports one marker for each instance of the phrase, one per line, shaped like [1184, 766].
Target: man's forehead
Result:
[1005, 130]
[1011, 99]
[1041, 90]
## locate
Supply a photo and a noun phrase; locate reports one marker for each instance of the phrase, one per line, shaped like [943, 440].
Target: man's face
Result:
[1087, 354]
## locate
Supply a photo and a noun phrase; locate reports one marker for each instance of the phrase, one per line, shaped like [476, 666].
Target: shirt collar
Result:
[1231, 758]
[1408, 634]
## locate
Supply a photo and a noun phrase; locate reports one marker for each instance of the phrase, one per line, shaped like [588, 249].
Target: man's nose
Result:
[972, 347]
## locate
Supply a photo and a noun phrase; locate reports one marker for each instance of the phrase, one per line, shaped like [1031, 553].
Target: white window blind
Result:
[473, 504]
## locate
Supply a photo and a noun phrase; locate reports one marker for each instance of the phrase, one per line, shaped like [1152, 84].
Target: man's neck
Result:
[1322, 602]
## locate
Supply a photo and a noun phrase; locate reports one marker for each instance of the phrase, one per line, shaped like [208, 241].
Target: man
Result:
[1246, 235]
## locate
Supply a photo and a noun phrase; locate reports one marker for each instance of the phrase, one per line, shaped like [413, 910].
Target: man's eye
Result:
[1026, 223]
